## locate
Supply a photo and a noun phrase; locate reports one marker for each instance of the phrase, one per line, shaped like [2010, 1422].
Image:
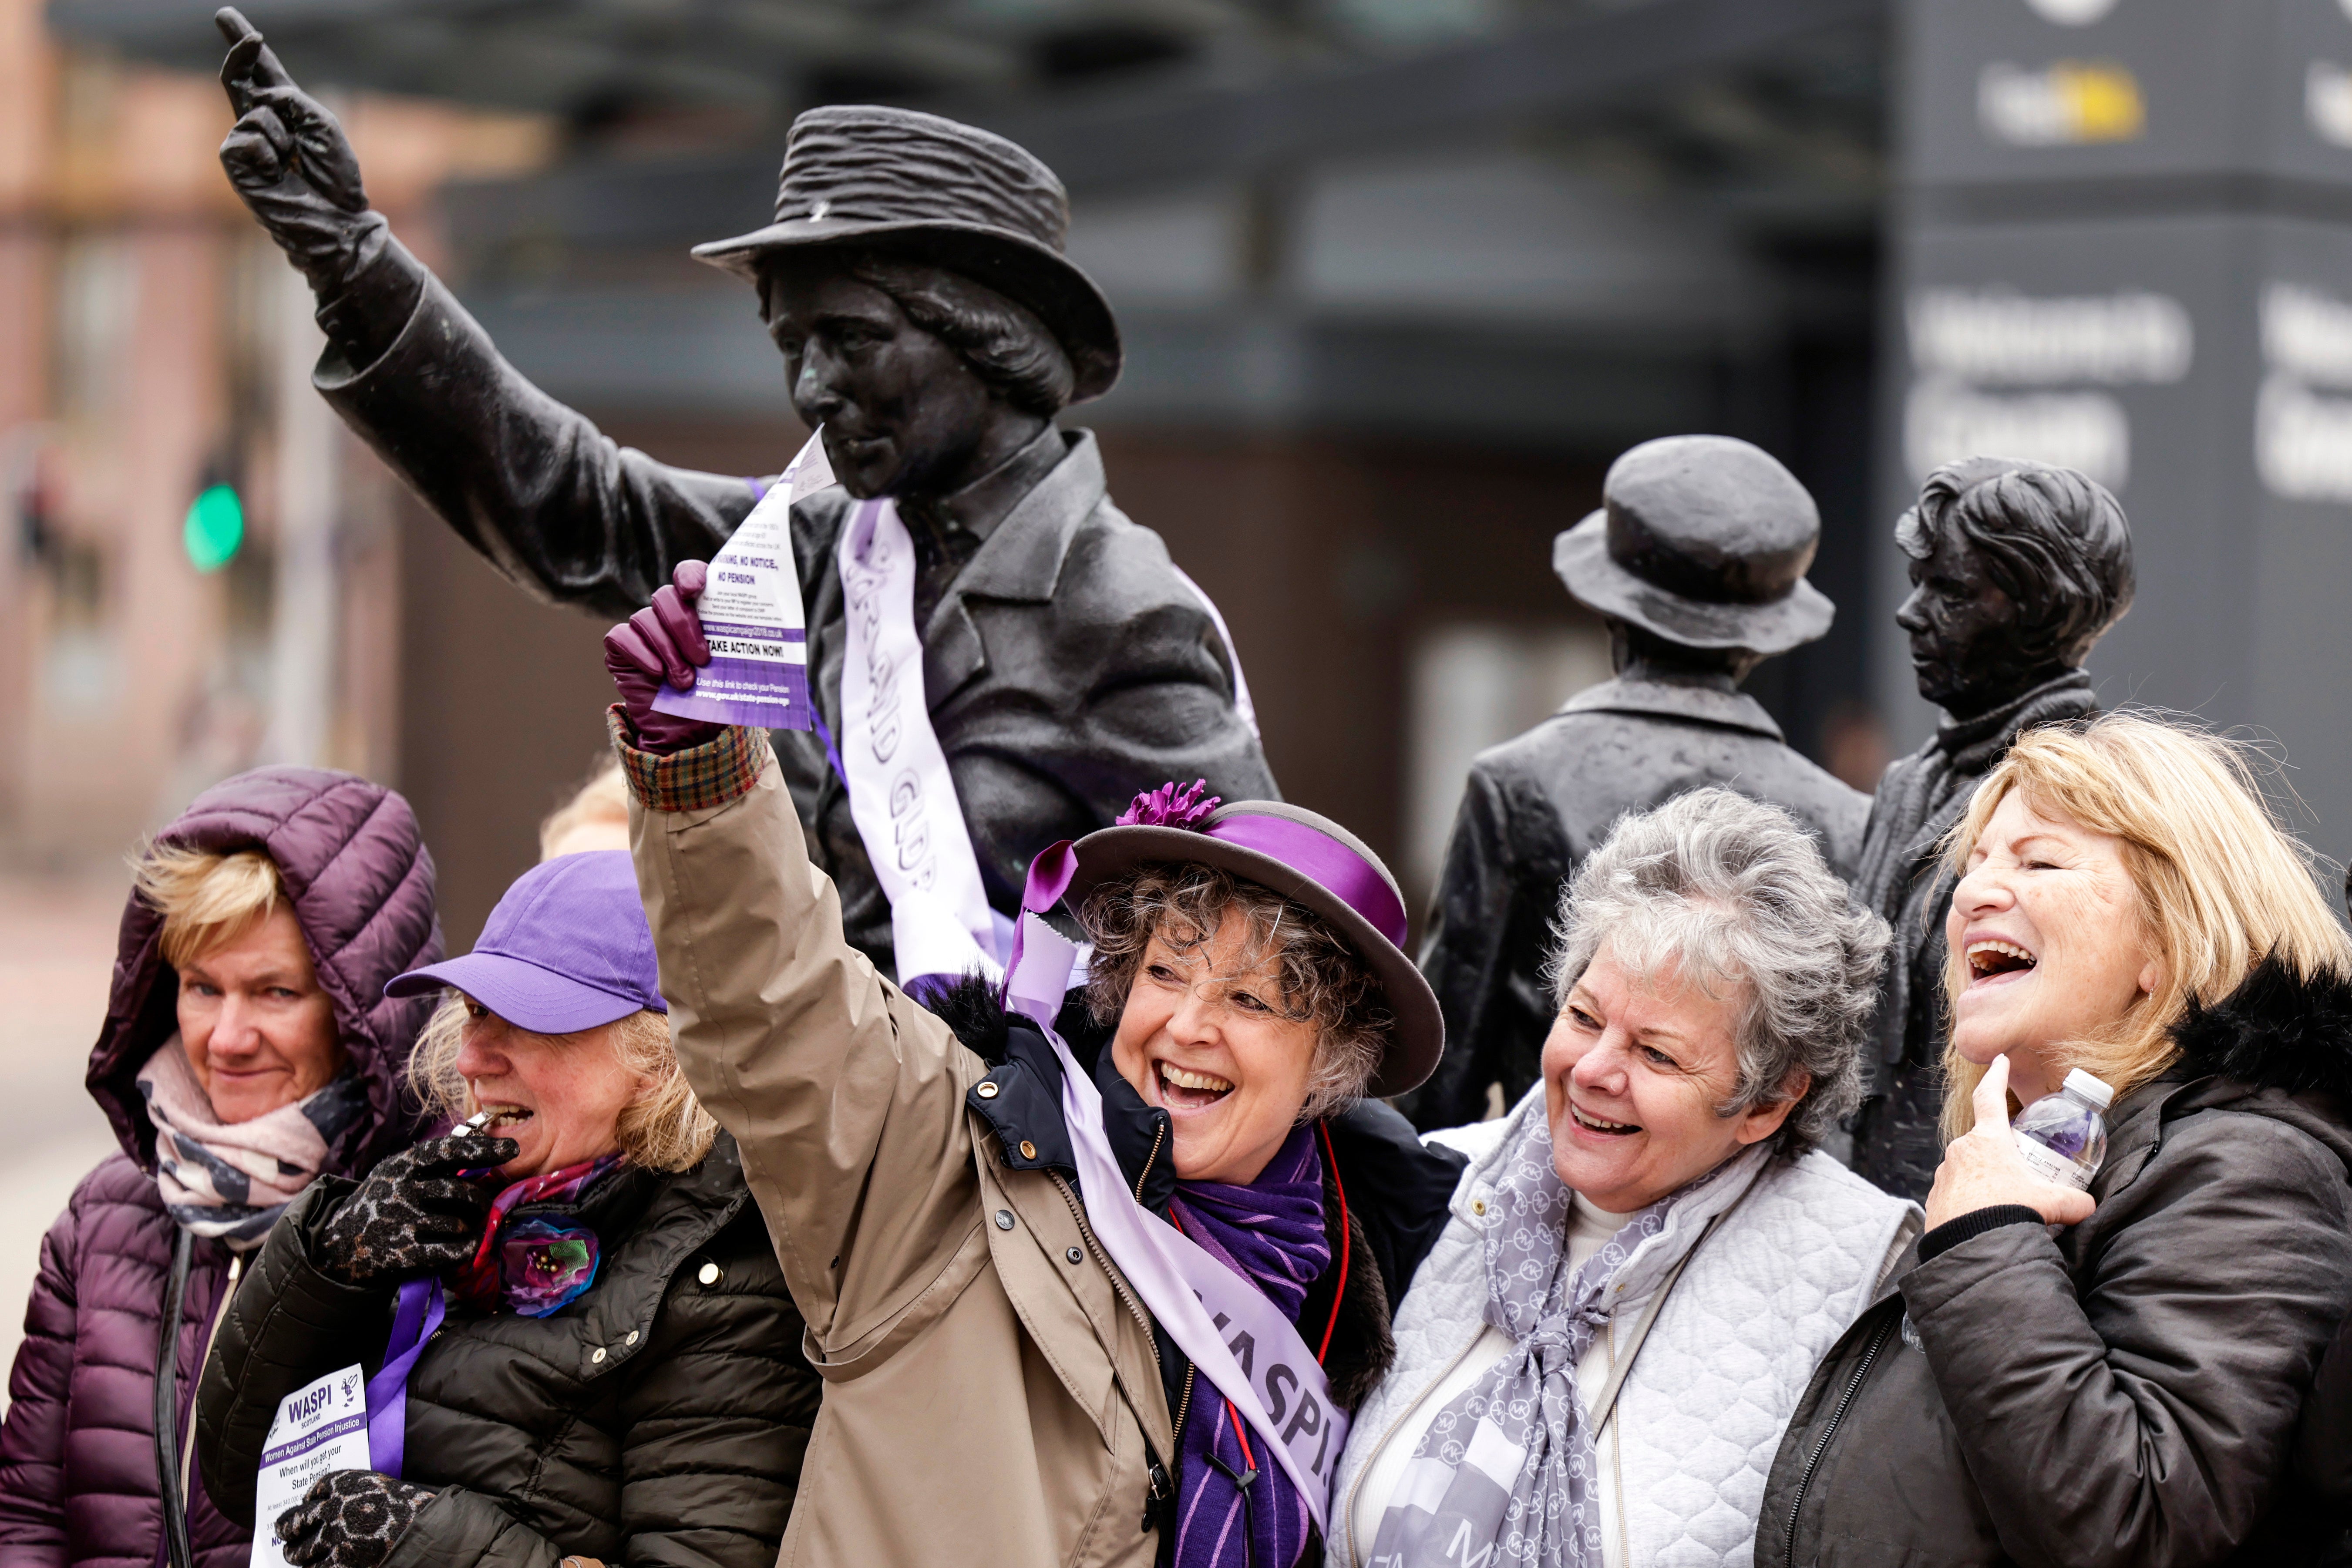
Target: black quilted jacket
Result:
[2125, 1395]
[659, 1420]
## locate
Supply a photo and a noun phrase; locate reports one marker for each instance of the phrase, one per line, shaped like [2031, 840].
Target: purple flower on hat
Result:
[1171, 805]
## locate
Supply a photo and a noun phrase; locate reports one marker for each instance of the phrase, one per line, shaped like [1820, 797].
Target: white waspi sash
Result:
[1238, 1339]
[900, 794]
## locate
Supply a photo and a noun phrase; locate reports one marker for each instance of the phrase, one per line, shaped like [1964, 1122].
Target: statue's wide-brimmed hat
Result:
[1304, 857]
[936, 191]
[1704, 540]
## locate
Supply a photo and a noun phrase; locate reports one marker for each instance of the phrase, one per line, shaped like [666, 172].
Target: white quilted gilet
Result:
[1700, 1416]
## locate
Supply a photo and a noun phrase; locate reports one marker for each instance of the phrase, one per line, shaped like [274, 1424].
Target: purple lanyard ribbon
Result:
[413, 1323]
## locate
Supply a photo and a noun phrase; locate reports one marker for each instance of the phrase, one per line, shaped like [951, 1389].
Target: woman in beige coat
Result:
[1101, 1300]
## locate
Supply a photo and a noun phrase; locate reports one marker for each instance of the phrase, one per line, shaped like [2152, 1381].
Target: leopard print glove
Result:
[415, 1214]
[349, 1519]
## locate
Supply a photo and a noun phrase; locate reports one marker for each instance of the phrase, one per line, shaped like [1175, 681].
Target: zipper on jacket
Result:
[1184, 1402]
[1159, 1135]
[173, 1550]
[1142, 1321]
[204, 1354]
[1094, 1248]
[1845, 1402]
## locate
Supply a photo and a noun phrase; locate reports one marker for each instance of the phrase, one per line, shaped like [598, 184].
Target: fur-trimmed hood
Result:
[2280, 1045]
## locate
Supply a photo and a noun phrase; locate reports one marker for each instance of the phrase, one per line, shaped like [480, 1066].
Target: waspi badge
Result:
[318, 1429]
[750, 610]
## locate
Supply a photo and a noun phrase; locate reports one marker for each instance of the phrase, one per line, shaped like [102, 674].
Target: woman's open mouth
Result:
[1181, 1089]
[497, 1117]
[1990, 959]
[1592, 1124]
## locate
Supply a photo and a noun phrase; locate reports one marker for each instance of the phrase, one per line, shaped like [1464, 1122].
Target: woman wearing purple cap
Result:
[1105, 1299]
[617, 1350]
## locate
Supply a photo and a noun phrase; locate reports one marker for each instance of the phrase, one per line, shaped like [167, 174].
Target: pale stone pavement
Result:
[57, 954]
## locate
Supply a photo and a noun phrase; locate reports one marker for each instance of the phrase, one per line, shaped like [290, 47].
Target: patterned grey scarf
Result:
[232, 1180]
[1510, 1462]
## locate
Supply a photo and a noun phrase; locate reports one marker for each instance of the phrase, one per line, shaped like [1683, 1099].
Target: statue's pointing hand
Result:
[290, 161]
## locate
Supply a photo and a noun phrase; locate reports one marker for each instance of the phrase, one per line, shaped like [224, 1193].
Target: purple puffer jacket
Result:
[80, 1483]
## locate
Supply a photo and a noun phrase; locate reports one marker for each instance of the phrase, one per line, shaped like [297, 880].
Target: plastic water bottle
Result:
[2063, 1136]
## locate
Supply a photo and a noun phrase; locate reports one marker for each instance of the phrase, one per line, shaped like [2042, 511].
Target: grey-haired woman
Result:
[1656, 1196]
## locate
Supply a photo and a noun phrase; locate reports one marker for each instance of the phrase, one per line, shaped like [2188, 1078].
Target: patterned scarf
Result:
[232, 1180]
[535, 1265]
[1271, 1234]
[1510, 1461]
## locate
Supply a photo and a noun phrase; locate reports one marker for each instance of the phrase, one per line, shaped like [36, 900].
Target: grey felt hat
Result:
[1703, 540]
[940, 192]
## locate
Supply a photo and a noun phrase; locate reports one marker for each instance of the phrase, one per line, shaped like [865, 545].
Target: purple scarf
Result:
[1271, 1234]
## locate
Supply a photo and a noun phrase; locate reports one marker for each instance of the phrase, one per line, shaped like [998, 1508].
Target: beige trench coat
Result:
[986, 1398]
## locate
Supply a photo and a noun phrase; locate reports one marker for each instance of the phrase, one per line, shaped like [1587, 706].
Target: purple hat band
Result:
[1288, 850]
[1324, 859]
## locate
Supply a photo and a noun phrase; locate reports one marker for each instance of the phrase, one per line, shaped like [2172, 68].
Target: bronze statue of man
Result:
[2016, 568]
[1696, 561]
[915, 282]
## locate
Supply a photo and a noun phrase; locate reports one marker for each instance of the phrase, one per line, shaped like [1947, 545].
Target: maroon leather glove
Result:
[663, 642]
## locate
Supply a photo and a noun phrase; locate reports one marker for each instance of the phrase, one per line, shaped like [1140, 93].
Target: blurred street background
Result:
[1397, 279]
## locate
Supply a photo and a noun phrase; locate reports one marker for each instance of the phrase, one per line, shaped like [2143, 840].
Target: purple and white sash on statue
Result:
[1238, 1339]
[1241, 703]
[900, 794]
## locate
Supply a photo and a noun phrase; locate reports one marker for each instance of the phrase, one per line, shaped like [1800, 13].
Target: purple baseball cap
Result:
[567, 949]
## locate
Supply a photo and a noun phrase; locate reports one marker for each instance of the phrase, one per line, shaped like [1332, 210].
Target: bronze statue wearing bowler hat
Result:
[914, 280]
[1696, 561]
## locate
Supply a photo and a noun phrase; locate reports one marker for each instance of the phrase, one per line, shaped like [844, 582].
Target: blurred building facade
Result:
[1398, 276]
[155, 348]
[2123, 241]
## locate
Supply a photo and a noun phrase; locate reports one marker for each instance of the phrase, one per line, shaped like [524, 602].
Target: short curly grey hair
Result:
[1734, 895]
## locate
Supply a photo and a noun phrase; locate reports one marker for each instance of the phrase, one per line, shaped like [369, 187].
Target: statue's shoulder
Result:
[1579, 766]
[1900, 769]
[1540, 749]
[1122, 568]
[816, 520]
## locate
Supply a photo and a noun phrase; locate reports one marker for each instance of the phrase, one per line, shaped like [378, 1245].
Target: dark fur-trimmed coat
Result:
[2296, 1037]
[2135, 1390]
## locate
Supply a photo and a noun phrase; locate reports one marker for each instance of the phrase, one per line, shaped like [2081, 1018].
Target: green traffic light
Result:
[216, 527]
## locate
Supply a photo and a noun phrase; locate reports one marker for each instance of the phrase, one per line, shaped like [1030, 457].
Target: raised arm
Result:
[533, 486]
[845, 1098]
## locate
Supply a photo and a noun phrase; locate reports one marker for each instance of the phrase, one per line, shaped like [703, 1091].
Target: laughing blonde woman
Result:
[2109, 1377]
